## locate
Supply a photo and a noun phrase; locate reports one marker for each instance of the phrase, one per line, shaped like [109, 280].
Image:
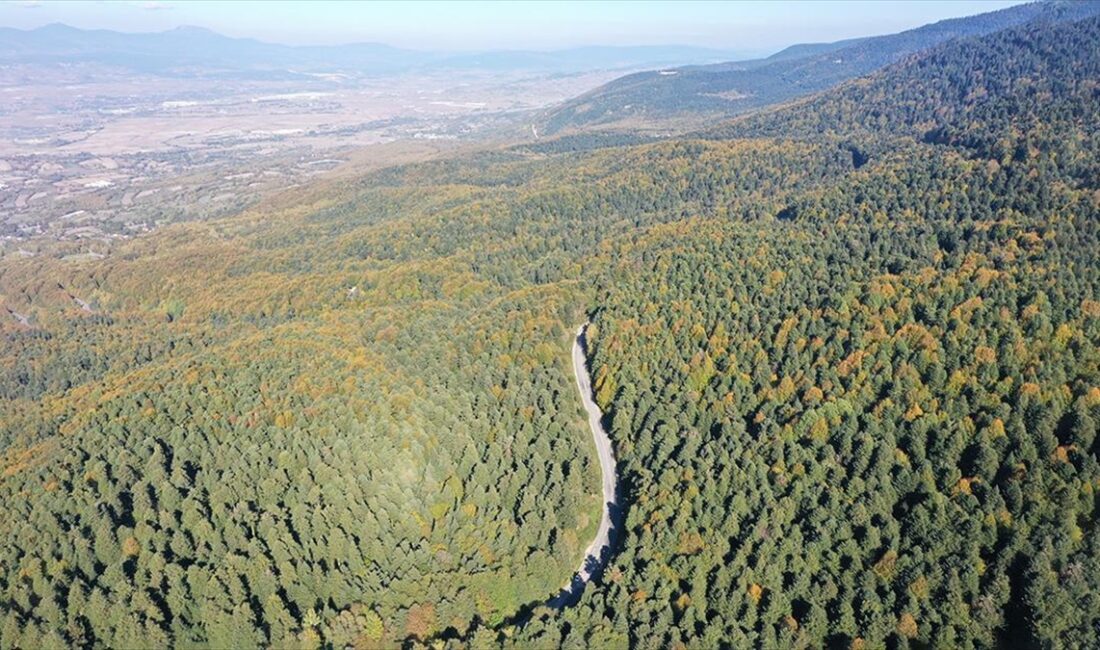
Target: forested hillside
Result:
[351, 420]
[693, 96]
[1023, 93]
[849, 354]
[872, 420]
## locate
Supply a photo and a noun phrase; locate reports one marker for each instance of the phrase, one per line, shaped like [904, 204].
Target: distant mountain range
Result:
[195, 51]
[687, 97]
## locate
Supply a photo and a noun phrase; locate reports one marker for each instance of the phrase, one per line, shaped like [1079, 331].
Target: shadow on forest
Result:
[571, 593]
[568, 596]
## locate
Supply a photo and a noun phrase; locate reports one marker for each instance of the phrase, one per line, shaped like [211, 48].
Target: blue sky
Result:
[755, 26]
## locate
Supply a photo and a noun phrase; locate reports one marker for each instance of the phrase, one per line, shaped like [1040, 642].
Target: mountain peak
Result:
[57, 28]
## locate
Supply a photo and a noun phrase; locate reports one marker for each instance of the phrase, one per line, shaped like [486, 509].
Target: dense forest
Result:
[848, 352]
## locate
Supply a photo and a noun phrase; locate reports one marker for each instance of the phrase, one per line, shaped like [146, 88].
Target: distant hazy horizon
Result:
[480, 26]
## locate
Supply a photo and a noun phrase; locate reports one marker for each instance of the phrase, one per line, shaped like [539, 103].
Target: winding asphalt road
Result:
[596, 556]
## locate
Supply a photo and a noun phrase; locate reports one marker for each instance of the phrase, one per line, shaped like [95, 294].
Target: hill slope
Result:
[1013, 95]
[695, 95]
[871, 421]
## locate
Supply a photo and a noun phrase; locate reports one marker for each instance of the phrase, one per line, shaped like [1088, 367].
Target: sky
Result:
[759, 26]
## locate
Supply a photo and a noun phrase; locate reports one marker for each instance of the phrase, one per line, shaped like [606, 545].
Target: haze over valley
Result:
[104, 134]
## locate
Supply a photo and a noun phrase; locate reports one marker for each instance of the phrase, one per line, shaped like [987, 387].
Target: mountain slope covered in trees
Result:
[697, 95]
[873, 419]
[849, 354]
[351, 419]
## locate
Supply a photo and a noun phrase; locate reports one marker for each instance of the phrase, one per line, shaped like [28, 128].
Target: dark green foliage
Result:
[872, 421]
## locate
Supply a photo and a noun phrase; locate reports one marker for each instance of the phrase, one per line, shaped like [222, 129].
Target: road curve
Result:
[596, 556]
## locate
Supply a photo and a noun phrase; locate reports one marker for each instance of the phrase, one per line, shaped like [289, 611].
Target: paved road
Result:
[597, 554]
